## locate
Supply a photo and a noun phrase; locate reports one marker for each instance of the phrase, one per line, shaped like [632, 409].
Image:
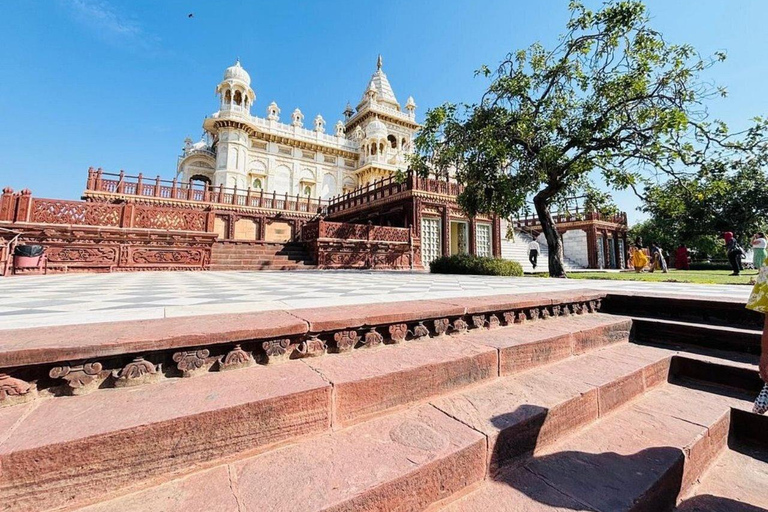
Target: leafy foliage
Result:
[613, 96]
[477, 265]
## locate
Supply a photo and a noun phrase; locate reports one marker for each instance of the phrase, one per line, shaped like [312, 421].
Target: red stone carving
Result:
[533, 314]
[556, 310]
[545, 314]
[578, 308]
[171, 256]
[14, 391]
[441, 326]
[521, 317]
[565, 310]
[93, 255]
[81, 378]
[236, 358]
[373, 338]
[191, 362]
[420, 331]
[509, 317]
[345, 340]
[52, 211]
[138, 371]
[311, 347]
[176, 219]
[478, 321]
[493, 322]
[460, 326]
[398, 332]
[277, 350]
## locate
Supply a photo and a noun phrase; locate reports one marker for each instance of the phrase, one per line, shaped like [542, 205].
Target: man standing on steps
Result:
[533, 252]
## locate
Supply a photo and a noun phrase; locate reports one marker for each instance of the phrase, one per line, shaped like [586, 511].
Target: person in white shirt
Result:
[533, 252]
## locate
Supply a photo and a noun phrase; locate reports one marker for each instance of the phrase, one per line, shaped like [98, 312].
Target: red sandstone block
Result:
[205, 491]
[620, 391]
[68, 449]
[484, 304]
[71, 342]
[348, 317]
[599, 331]
[399, 462]
[367, 382]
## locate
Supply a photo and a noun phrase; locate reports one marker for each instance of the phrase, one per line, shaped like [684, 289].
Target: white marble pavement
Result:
[31, 301]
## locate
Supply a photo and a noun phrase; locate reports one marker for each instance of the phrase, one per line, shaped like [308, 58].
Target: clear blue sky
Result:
[120, 84]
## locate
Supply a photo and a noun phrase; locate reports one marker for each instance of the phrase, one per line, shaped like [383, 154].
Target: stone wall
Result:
[575, 247]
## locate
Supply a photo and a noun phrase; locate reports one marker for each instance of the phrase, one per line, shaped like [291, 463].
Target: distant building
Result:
[282, 156]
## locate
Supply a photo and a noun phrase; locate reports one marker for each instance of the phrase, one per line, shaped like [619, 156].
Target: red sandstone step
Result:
[367, 382]
[405, 461]
[736, 482]
[525, 412]
[59, 451]
[639, 458]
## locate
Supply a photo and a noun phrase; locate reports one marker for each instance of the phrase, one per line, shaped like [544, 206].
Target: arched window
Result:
[307, 190]
[228, 97]
[392, 141]
[403, 143]
[257, 184]
[238, 98]
[373, 149]
[200, 178]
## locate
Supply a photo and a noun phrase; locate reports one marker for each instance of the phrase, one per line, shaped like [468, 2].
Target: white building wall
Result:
[575, 247]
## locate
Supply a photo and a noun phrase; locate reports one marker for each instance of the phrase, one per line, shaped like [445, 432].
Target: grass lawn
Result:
[674, 276]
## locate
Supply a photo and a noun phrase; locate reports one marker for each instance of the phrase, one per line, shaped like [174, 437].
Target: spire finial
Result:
[378, 63]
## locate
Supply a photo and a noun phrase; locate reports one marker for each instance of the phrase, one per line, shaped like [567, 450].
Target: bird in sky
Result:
[191, 15]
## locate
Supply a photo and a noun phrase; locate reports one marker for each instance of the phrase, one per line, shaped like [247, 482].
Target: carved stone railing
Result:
[386, 187]
[563, 218]
[322, 229]
[121, 185]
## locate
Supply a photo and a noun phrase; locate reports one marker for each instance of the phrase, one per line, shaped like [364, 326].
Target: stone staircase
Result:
[516, 249]
[260, 256]
[506, 403]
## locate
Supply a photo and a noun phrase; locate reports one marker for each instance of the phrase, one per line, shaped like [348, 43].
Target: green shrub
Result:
[710, 265]
[476, 265]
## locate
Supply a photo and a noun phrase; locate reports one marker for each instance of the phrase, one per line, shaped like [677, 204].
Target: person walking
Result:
[758, 301]
[639, 259]
[734, 252]
[533, 252]
[657, 258]
[759, 244]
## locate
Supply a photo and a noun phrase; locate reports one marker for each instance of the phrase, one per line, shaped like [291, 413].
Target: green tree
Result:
[612, 96]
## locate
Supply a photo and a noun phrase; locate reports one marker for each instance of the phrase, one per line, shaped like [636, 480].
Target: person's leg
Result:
[535, 258]
[764, 352]
[733, 260]
[663, 264]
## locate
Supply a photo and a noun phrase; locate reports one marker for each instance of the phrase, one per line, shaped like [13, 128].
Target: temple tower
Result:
[235, 100]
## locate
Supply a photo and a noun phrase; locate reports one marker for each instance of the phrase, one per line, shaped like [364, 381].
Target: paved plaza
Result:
[33, 301]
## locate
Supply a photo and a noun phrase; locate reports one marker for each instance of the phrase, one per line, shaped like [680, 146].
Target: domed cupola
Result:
[237, 97]
[376, 130]
[236, 72]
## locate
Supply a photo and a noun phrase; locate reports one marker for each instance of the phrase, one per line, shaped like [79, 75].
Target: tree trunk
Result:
[554, 243]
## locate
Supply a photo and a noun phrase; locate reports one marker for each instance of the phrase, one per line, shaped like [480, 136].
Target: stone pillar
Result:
[472, 235]
[592, 247]
[446, 242]
[606, 251]
[496, 236]
[7, 205]
[24, 206]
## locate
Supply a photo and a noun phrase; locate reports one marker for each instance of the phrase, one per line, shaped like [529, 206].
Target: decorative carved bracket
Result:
[82, 378]
[420, 331]
[441, 326]
[398, 332]
[277, 350]
[372, 338]
[193, 362]
[345, 340]
[236, 358]
[311, 347]
[478, 321]
[509, 317]
[139, 371]
[15, 391]
[494, 322]
[533, 314]
[460, 326]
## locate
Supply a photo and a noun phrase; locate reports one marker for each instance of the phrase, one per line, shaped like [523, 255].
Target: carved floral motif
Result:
[236, 358]
[441, 326]
[533, 314]
[345, 340]
[14, 391]
[277, 350]
[556, 311]
[545, 314]
[191, 362]
[373, 338]
[138, 371]
[420, 331]
[478, 321]
[311, 347]
[509, 317]
[81, 378]
[460, 326]
[493, 322]
[398, 332]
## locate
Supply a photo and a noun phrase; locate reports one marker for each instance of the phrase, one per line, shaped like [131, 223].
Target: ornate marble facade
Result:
[263, 153]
